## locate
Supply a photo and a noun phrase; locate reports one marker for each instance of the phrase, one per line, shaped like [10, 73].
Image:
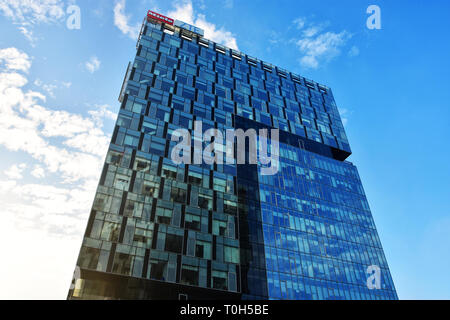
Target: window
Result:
[188, 93]
[124, 121]
[114, 158]
[122, 263]
[231, 254]
[207, 75]
[220, 183]
[192, 222]
[158, 269]
[142, 238]
[121, 182]
[150, 127]
[132, 208]
[169, 172]
[142, 165]
[110, 231]
[221, 91]
[96, 229]
[205, 201]
[178, 195]
[146, 188]
[229, 207]
[157, 146]
[203, 249]
[232, 281]
[231, 227]
[163, 215]
[239, 98]
[201, 84]
[189, 275]
[219, 228]
[222, 70]
[208, 99]
[102, 202]
[174, 243]
[195, 178]
[180, 78]
[219, 280]
[261, 94]
[88, 258]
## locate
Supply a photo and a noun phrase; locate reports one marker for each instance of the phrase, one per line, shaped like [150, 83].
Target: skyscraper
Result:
[161, 230]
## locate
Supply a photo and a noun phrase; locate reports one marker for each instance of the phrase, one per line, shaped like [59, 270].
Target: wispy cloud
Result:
[67, 146]
[121, 21]
[33, 11]
[316, 44]
[13, 59]
[50, 88]
[228, 4]
[184, 11]
[38, 172]
[15, 171]
[345, 114]
[299, 23]
[353, 52]
[27, 14]
[93, 64]
[29, 35]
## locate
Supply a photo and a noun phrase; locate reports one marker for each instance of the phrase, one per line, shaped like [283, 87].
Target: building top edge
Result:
[192, 33]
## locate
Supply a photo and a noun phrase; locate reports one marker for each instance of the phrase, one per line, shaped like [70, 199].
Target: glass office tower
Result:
[158, 230]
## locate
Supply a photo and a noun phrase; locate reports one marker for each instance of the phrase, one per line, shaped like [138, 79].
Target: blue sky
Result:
[58, 99]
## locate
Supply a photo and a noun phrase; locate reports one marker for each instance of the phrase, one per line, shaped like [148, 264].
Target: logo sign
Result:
[159, 17]
[188, 27]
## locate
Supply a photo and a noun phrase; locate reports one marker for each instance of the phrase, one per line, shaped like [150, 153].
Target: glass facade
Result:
[158, 230]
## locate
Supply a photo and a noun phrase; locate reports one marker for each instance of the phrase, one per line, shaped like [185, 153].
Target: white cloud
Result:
[44, 222]
[75, 158]
[316, 45]
[184, 11]
[50, 88]
[344, 113]
[228, 4]
[13, 59]
[28, 34]
[101, 112]
[93, 64]
[121, 21]
[57, 210]
[38, 172]
[28, 13]
[325, 47]
[15, 171]
[312, 31]
[201, 4]
[354, 51]
[53, 259]
[33, 11]
[299, 23]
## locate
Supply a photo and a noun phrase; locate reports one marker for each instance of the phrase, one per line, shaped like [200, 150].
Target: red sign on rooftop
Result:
[159, 17]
